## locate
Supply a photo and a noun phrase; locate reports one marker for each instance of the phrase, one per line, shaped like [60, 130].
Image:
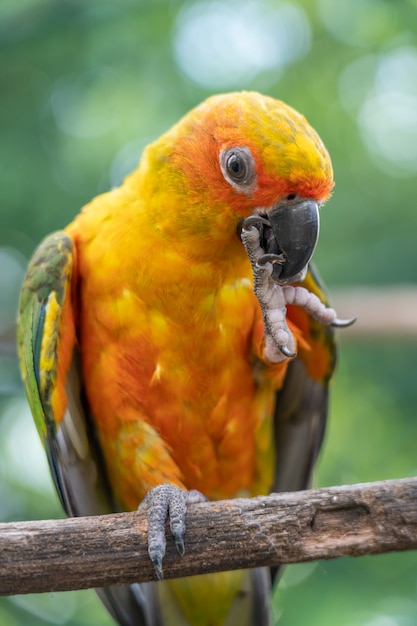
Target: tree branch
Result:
[60, 555]
[381, 311]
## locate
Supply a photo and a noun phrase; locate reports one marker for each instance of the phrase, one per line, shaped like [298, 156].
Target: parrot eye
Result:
[238, 168]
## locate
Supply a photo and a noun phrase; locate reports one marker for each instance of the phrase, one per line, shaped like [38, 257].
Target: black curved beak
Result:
[296, 230]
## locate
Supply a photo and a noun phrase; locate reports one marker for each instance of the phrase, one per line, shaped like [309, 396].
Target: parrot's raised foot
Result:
[279, 342]
[274, 297]
[164, 500]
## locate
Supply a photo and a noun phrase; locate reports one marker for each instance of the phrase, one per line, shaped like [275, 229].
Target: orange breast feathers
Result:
[169, 373]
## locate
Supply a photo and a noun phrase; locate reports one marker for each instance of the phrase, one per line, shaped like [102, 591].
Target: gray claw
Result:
[179, 543]
[157, 563]
[277, 260]
[254, 220]
[272, 258]
[287, 352]
[343, 323]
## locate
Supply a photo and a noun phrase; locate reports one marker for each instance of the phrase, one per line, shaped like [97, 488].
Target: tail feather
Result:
[132, 605]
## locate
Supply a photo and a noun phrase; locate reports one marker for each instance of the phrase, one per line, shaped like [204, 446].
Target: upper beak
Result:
[296, 229]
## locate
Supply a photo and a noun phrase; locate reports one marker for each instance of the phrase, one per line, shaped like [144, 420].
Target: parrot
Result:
[176, 343]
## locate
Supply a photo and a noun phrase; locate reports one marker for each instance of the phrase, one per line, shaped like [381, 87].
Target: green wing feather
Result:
[46, 285]
[52, 377]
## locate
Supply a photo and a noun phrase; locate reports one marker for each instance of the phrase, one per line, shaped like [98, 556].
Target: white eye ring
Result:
[238, 168]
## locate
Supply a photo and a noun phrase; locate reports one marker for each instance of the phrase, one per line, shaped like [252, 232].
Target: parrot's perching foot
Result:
[274, 297]
[161, 501]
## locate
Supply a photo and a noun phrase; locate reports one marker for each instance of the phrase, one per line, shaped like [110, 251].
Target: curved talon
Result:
[287, 352]
[343, 323]
[179, 543]
[157, 563]
[253, 220]
[271, 258]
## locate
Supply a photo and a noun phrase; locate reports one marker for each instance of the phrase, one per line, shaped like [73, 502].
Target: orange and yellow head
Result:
[195, 170]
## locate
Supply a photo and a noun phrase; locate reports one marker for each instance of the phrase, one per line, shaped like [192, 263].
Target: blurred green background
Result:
[86, 84]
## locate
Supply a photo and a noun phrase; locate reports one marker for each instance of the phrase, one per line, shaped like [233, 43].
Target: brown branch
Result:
[381, 311]
[60, 555]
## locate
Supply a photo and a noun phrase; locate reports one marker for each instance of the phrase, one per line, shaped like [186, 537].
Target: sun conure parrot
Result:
[176, 345]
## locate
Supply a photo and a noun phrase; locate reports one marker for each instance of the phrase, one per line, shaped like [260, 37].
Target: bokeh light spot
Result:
[382, 620]
[23, 459]
[227, 45]
[356, 83]
[388, 118]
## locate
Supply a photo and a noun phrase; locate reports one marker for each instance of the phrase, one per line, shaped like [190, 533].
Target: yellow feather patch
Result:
[50, 338]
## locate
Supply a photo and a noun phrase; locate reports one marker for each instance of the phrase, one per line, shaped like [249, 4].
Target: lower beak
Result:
[296, 229]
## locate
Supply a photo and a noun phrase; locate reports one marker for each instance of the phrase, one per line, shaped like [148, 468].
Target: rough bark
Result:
[59, 555]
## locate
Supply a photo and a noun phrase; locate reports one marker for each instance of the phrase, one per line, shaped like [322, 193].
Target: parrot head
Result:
[238, 155]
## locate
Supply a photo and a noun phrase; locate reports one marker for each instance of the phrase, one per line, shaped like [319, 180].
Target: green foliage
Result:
[85, 85]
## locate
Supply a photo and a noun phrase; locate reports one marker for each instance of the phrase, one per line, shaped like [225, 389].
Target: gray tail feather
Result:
[261, 587]
[132, 605]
